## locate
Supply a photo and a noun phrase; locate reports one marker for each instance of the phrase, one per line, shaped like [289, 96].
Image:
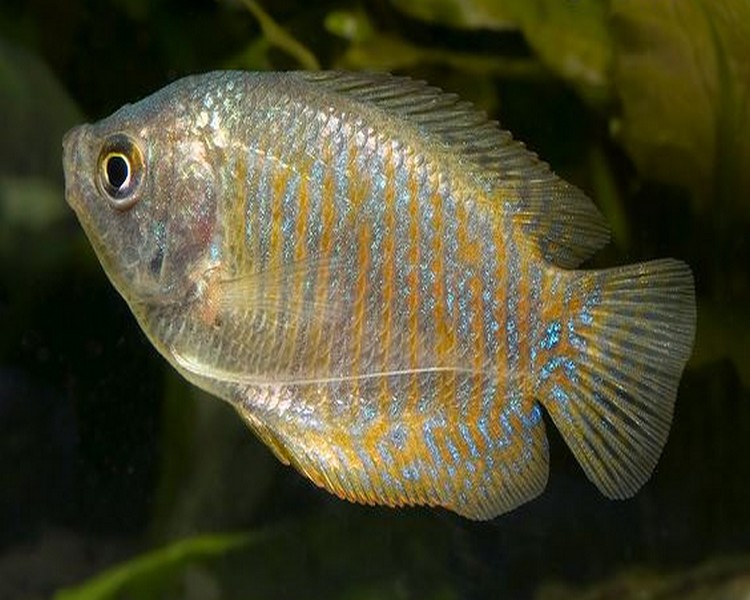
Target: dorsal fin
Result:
[560, 221]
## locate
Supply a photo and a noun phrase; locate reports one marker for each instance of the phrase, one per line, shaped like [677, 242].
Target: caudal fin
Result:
[608, 372]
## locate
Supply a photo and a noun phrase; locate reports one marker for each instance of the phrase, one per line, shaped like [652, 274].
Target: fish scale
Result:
[412, 316]
[384, 285]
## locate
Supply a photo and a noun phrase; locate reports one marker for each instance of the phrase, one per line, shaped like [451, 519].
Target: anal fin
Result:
[401, 448]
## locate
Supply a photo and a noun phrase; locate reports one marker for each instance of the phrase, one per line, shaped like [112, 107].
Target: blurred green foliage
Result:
[157, 574]
[678, 71]
[643, 103]
[36, 112]
[683, 76]
[722, 578]
[570, 37]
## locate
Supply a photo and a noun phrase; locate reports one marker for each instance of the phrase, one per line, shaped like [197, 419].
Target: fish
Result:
[384, 284]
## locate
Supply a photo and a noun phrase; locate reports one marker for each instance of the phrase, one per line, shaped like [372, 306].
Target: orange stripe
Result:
[477, 329]
[296, 334]
[500, 358]
[522, 323]
[443, 337]
[234, 258]
[327, 201]
[360, 299]
[235, 224]
[518, 378]
[249, 217]
[412, 281]
[322, 342]
[446, 342]
[444, 484]
[360, 184]
[242, 260]
[389, 249]
[501, 295]
[303, 213]
[359, 190]
[279, 179]
[468, 256]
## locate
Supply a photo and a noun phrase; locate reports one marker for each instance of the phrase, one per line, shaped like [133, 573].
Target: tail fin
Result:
[608, 375]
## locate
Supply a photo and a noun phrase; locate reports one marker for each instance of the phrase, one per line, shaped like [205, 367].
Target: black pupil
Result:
[117, 171]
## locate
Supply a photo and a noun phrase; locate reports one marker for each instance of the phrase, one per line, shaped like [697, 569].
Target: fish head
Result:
[143, 188]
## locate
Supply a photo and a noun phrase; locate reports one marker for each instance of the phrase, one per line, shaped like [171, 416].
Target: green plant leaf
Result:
[683, 77]
[371, 49]
[148, 575]
[384, 52]
[277, 36]
[352, 25]
[36, 111]
[470, 14]
[570, 37]
[608, 196]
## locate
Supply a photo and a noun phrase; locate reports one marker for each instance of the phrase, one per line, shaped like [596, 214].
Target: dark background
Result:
[106, 455]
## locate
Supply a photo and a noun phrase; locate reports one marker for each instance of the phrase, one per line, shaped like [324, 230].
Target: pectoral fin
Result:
[280, 292]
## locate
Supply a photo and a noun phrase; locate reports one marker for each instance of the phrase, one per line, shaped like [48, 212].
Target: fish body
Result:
[383, 284]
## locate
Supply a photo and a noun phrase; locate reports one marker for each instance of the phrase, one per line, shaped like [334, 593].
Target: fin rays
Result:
[272, 291]
[562, 225]
[418, 457]
[615, 408]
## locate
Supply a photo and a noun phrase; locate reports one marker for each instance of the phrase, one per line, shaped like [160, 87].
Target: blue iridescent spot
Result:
[410, 473]
[160, 233]
[466, 435]
[534, 416]
[449, 300]
[368, 412]
[551, 335]
[575, 340]
[548, 368]
[512, 337]
[452, 450]
[387, 464]
[560, 396]
[396, 405]
[504, 439]
[398, 436]
[570, 369]
[555, 363]
[464, 313]
[482, 426]
[380, 182]
[429, 439]
[569, 291]
[215, 251]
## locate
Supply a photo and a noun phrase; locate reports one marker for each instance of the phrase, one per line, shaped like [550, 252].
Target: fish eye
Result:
[121, 171]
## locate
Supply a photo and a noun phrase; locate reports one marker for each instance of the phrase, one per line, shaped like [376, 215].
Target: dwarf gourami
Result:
[383, 284]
